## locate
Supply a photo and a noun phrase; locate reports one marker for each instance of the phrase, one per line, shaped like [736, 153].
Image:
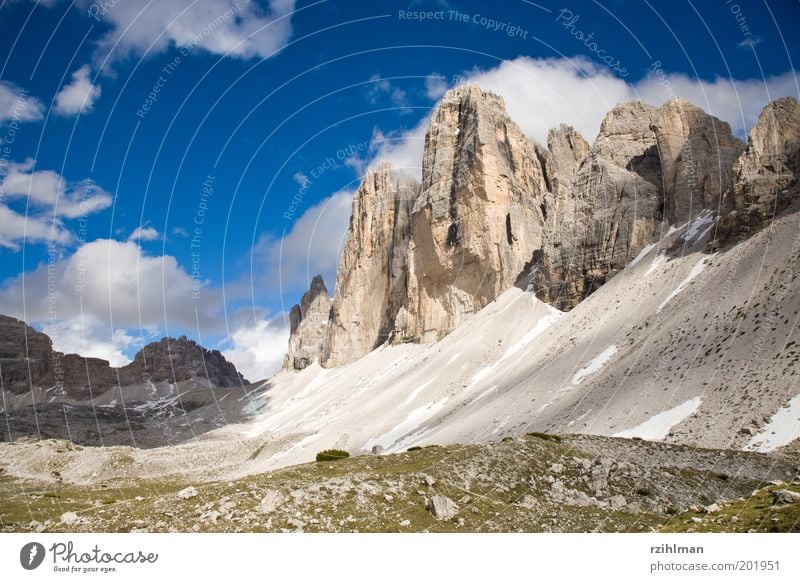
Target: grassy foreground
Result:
[532, 483]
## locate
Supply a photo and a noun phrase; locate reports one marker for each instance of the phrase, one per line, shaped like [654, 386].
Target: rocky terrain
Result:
[639, 293]
[527, 483]
[49, 394]
[495, 209]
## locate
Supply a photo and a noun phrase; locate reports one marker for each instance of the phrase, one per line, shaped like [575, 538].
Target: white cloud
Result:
[234, 27]
[49, 190]
[50, 198]
[93, 339]
[301, 179]
[311, 247]
[435, 86]
[17, 105]
[402, 149]
[79, 95]
[739, 102]
[14, 228]
[541, 93]
[258, 347]
[144, 233]
[112, 283]
[383, 87]
[109, 298]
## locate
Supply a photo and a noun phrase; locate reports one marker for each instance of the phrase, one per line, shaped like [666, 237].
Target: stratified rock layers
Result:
[479, 217]
[495, 209]
[371, 282]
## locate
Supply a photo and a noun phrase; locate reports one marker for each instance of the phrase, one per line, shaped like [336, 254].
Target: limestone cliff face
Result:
[479, 217]
[371, 282]
[766, 174]
[606, 209]
[309, 328]
[495, 210]
[697, 154]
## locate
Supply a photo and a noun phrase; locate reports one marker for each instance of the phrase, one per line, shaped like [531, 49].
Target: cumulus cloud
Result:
[79, 95]
[221, 27]
[311, 247]
[114, 283]
[92, 338]
[144, 233]
[15, 227]
[541, 93]
[49, 198]
[48, 189]
[17, 105]
[435, 86]
[258, 346]
[109, 298]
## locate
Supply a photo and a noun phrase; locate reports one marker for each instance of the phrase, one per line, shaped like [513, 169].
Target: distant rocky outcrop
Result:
[766, 174]
[697, 154]
[309, 328]
[28, 360]
[495, 209]
[372, 278]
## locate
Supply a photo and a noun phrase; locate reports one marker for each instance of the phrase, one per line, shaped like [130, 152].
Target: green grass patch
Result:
[332, 455]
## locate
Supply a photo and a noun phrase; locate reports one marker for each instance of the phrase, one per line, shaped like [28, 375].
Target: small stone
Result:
[617, 502]
[556, 468]
[405, 523]
[465, 499]
[377, 449]
[69, 518]
[187, 493]
[747, 430]
[388, 498]
[713, 508]
[697, 520]
[442, 507]
[785, 497]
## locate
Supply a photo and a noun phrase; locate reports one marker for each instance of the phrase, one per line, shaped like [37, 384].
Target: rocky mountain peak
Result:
[697, 153]
[766, 174]
[494, 210]
[309, 327]
[27, 359]
[175, 360]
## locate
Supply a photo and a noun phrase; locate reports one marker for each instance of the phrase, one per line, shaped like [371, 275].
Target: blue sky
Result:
[225, 140]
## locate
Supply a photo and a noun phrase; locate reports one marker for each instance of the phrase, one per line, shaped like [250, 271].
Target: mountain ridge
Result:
[495, 210]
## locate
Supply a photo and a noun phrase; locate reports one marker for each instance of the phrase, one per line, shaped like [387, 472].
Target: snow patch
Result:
[782, 428]
[642, 254]
[484, 394]
[537, 330]
[412, 422]
[481, 374]
[594, 366]
[657, 262]
[704, 222]
[453, 359]
[416, 392]
[657, 427]
[696, 270]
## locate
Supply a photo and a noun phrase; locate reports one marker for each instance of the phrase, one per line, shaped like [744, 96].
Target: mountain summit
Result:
[496, 210]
